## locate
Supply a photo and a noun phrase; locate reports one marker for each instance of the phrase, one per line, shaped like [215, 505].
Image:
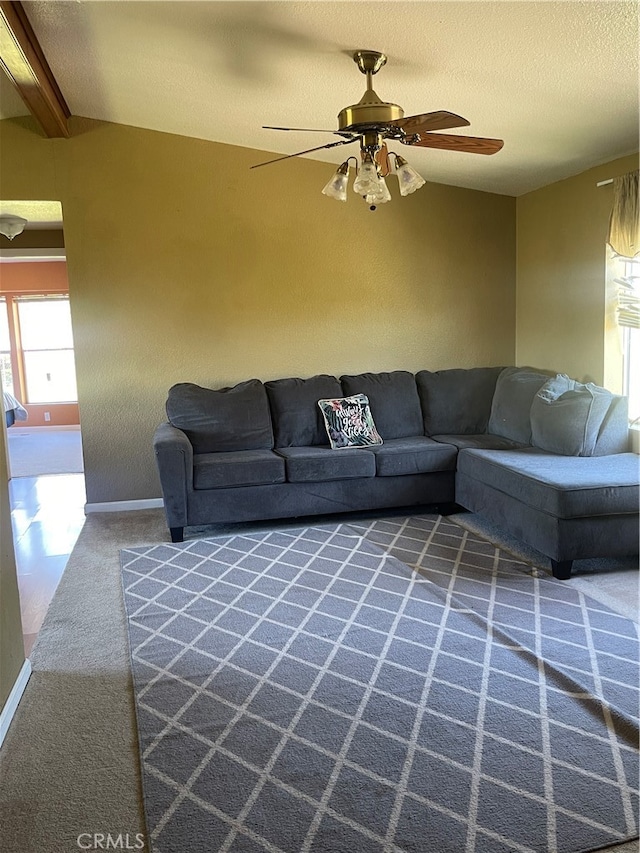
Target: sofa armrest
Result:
[174, 457]
[614, 432]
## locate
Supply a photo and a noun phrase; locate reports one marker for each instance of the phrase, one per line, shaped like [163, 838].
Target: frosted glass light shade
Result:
[11, 225]
[367, 180]
[337, 186]
[408, 179]
[380, 194]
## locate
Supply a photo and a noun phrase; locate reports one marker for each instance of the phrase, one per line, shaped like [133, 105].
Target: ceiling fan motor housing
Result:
[369, 111]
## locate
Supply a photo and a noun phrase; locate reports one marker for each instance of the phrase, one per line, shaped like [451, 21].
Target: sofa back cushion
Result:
[511, 406]
[226, 419]
[566, 416]
[393, 398]
[457, 401]
[297, 420]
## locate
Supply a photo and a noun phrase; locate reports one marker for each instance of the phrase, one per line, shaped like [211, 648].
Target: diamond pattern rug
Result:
[398, 685]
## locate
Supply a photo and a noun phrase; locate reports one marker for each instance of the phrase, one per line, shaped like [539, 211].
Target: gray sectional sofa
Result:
[540, 455]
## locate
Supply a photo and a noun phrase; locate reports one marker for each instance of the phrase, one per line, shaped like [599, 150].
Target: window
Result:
[5, 348]
[47, 349]
[36, 349]
[623, 287]
[628, 315]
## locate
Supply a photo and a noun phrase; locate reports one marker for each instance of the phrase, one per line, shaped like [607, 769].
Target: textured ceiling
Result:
[39, 214]
[558, 81]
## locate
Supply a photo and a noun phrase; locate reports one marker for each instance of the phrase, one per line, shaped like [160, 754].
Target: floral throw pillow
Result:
[349, 422]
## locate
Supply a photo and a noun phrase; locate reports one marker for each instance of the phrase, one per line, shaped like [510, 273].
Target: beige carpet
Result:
[614, 582]
[69, 764]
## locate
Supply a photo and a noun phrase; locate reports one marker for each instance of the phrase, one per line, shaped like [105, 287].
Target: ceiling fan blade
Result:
[439, 120]
[382, 159]
[450, 142]
[309, 130]
[306, 151]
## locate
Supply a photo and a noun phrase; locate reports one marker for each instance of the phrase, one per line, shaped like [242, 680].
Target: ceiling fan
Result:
[372, 122]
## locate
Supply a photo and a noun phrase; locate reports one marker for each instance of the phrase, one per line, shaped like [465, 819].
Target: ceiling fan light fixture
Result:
[408, 179]
[11, 226]
[337, 186]
[380, 194]
[368, 178]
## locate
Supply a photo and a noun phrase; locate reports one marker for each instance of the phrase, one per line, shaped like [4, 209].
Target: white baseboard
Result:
[124, 506]
[18, 427]
[13, 700]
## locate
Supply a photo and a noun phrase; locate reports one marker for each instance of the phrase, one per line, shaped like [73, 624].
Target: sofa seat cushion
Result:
[562, 486]
[315, 464]
[237, 468]
[483, 440]
[393, 398]
[419, 455]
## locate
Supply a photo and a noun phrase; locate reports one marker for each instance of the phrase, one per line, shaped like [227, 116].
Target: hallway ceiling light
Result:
[11, 226]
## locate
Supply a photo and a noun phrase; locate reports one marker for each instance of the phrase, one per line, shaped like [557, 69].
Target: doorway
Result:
[37, 363]
[42, 423]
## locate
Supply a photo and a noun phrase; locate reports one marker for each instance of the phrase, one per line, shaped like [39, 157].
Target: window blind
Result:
[628, 308]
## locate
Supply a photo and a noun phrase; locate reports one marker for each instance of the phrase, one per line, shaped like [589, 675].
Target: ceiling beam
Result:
[22, 59]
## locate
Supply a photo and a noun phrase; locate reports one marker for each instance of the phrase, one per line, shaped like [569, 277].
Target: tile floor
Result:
[47, 514]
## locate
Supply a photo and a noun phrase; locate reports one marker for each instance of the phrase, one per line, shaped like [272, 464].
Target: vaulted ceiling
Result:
[558, 81]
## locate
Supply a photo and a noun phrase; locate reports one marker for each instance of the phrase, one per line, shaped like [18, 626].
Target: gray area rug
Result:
[308, 691]
[39, 452]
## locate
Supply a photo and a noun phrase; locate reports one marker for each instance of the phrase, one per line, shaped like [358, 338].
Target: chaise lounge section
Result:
[566, 507]
[462, 436]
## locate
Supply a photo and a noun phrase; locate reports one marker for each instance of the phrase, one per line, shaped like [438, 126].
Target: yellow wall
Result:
[561, 315]
[184, 265]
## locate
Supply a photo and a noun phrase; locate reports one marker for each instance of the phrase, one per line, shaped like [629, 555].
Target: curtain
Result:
[624, 239]
[624, 225]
